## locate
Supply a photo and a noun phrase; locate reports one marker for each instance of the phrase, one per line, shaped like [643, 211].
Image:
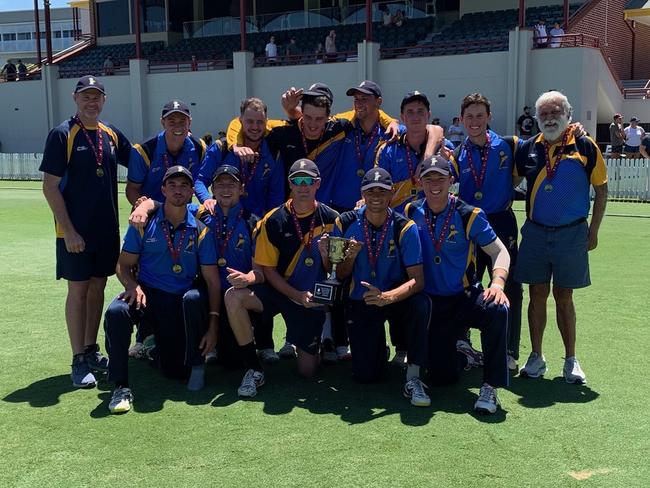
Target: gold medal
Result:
[478, 195]
[548, 188]
[360, 173]
[437, 260]
[373, 274]
[309, 261]
[177, 268]
[221, 262]
[100, 172]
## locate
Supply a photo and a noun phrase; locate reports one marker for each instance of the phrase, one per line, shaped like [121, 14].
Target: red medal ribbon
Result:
[170, 245]
[374, 132]
[221, 230]
[97, 150]
[409, 162]
[247, 176]
[551, 169]
[437, 243]
[296, 224]
[478, 179]
[373, 255]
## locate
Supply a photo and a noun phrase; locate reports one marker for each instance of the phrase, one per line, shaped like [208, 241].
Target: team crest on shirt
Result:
[391, 248]
[190, 244]
[266, 170]
[452, 234]
[240, 241]
[502, 159]
[82, 148]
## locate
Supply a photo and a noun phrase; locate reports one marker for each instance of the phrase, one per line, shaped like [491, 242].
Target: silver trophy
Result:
[329, 291]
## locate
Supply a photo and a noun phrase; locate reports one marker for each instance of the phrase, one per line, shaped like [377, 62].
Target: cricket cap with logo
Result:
[377, 178]
[366, 87]
[304, 167]
[226, 169]
[434, 163]
[178, 170]
[89, 82]
[175, 106]
[319, 90]
[415, 96]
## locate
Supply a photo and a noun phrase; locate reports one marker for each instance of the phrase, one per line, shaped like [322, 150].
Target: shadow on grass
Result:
[332, 392]
[543, 392]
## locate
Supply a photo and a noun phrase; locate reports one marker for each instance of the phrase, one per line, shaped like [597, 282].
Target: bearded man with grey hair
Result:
[559, 168]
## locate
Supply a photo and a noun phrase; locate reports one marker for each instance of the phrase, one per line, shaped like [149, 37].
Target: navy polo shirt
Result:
[91, 200]
[156, 262]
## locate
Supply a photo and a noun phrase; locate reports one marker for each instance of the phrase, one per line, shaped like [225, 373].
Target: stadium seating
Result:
[91, 60]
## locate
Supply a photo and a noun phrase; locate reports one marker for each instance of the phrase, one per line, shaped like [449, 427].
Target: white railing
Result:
[25, 167]
[629, 179]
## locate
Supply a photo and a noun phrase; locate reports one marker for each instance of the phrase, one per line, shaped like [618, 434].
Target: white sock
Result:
[327, 327]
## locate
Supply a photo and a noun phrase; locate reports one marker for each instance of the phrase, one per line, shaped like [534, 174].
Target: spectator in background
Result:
[22, 70]
[109, 67]
[207, 138]
[633, 135]
[271, 50]
[616, 136]
[644, 148]
[540, 37]
[386, 16]
[526, 124]
[9, 71]
[319, 52]
[195, 64]
[330, 45]
[292, 47]
[455, 132]
[556, 34]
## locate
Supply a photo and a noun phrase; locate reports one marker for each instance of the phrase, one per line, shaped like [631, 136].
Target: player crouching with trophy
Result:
[384, 260]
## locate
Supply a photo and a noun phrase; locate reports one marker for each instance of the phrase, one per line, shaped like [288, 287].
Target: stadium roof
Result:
[638, 10]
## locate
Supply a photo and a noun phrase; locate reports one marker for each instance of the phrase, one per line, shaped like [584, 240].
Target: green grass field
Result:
[327, 431]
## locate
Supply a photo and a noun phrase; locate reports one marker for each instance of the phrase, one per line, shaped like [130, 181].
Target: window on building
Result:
[24, 36]
[113, 18]
[9, 37]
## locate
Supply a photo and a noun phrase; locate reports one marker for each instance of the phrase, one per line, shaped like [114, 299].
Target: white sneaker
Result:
[474, 357]
[535, 366]
[251, 382]
[399, 359]
[288, 351]
[268, 356]
[211, 357]
[121, 400]
[414, 390]
[513, 366]
[487, 402]
[572, 371]
[329, 352]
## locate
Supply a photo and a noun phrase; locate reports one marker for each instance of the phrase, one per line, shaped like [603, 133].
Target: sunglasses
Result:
[303, 180]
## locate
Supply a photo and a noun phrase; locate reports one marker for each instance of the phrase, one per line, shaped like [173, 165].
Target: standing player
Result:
[385, 265]
[559, 168]
[173, 146]
[450, 230]
[263, 177]
[170, 251]
[483, 166]
[80, 185]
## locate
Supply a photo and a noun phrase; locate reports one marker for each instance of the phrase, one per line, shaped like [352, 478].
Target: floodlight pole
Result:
[242, 25]
[369, 20]
[136, 30]
[48, 31]
[37, 21]
[566, 15]
[522, 14]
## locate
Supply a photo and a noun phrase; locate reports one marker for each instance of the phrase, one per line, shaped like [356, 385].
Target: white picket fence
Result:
[629, 179]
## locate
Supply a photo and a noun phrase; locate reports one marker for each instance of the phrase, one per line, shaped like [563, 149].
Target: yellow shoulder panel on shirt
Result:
[142, 153]
[406, 227]
[111, 133]
[312, 155]
[71, 135]
[203, 233]
[471, 220]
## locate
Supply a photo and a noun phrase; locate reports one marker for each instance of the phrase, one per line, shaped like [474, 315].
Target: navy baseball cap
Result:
[304, 166]
[634, 119]
[175, 106]
[377, 178]
[319, 90]
[226, 169]
[178, 170]
[368, 87]
[415, 96]
[89, 82]
[434, 163]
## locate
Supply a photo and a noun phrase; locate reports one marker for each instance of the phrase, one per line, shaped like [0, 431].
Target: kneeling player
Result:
[385, 262]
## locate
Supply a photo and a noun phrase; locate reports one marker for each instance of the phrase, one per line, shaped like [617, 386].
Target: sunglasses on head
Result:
[303, 180]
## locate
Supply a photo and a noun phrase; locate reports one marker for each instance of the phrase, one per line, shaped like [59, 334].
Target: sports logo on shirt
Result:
[240, 241]
[502, 159]
[391, 248]
[452, 234]
[82, 148]
[190, 244]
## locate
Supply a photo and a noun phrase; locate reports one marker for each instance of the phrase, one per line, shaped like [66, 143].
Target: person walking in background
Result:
[616, 136]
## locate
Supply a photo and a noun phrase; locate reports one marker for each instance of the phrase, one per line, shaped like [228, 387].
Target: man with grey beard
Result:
[559, 169]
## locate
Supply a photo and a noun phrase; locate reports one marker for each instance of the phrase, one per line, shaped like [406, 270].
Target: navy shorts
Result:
[631, 149]
[560, 253]
[304, 325]
[97, 263]
[617, 148]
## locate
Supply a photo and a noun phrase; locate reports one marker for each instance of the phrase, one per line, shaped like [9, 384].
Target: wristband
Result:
[500, 277]
[496, 285]
[216, 314]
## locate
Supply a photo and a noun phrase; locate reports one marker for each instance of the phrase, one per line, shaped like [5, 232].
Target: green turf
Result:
[328, 431]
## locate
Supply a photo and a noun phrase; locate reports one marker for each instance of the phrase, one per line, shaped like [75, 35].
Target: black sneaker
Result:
[81, 375]
[95, 359]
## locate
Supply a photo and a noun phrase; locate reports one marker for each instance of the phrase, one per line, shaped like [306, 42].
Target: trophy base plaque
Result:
[327, 292]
